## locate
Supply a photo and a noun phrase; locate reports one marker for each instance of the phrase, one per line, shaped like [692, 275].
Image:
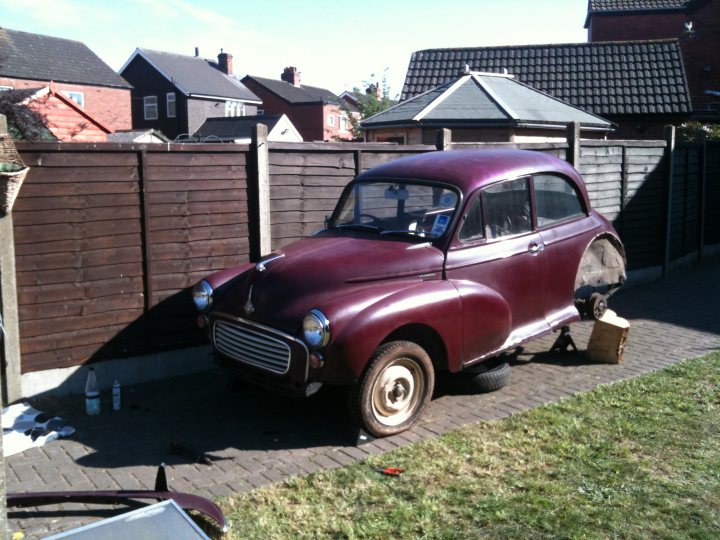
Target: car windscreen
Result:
[397, 208]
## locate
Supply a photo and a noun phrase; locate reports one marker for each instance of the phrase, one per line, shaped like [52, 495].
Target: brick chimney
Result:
[225, 62]
[374, 89]
[291, 75]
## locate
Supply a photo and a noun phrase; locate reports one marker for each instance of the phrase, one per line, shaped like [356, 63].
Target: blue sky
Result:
[335, 44]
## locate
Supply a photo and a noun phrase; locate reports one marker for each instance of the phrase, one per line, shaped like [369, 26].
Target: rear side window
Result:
[556, 199]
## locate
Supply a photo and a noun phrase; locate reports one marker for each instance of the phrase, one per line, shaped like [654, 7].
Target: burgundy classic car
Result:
[433, 263]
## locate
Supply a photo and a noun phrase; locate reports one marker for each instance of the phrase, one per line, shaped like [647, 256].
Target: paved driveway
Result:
[256, 439]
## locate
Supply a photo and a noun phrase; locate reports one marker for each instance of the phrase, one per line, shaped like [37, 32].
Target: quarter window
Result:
[556, 199]
[507, 208]
[150, 105]
[472, 227]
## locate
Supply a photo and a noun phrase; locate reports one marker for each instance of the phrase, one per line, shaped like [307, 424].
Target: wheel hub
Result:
[397, 392]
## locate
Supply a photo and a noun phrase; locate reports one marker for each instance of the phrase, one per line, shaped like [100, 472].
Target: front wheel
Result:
[394, 390]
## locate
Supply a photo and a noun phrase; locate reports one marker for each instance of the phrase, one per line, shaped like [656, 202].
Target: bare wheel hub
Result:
[397, 392]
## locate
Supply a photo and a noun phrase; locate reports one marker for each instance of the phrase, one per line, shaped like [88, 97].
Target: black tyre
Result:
[394, 390]
[483, 378]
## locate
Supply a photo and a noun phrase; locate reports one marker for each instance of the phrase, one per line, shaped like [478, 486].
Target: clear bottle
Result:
[116, 396]
[92, 393]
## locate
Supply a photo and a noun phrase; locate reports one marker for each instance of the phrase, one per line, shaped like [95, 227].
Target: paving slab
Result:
[256, 438]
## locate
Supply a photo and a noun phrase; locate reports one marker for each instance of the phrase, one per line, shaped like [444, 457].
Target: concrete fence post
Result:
[669, 162]
[10, 335]
[443, 139]
[261, 185]
[573, 139]
[702, 202]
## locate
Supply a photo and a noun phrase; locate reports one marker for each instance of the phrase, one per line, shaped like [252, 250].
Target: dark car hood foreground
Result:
[312, 271]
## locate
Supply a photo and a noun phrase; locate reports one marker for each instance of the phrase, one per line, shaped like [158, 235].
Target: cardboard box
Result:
[608, 338]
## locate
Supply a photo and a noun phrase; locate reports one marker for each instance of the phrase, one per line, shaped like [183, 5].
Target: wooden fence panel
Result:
[109, 238]
[196, 223]
[304, 187]
[712, 193]
[78, 237]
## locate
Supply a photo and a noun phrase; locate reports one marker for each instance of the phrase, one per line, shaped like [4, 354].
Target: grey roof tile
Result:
[45, 58]
[197, 76]
[578, 73]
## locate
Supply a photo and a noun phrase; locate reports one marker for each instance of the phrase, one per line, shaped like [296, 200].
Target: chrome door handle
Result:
[534, 248]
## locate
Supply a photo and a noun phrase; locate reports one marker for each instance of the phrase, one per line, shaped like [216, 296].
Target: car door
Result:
[498, 262]
[566, 229]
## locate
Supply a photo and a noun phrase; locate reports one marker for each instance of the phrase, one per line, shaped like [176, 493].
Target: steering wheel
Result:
[373, 220]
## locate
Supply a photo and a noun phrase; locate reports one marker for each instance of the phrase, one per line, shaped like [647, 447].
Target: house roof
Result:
[238, 127]
[602, 7]
[297, 95]
[636, 5]
[194, 76]
[604, 78]
[46, 58]
[485, 99]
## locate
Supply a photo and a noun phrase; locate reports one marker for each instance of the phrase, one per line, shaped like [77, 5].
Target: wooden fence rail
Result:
[109, 238]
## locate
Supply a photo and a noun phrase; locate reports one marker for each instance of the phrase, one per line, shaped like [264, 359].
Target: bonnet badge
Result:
[248, 307]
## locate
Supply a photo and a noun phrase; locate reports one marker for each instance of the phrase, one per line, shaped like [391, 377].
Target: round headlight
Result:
[316, 329]
[202, 295]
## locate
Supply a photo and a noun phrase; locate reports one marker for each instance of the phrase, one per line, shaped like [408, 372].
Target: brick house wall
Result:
[111, 106]
[67, 123]
[305, 118]
[701, 49]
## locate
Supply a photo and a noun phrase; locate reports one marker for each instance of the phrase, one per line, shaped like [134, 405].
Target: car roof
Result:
[472, 169]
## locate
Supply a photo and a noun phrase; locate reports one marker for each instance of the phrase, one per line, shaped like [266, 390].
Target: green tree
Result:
[372, 99]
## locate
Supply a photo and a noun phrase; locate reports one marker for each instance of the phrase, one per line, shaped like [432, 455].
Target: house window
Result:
[77, 97]
[331, 120]
[343, 123]
[150, 104]
[260, 112]
[170, 103]
[2, 88]
[234, 108]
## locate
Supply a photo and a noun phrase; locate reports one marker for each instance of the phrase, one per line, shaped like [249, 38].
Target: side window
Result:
[507, 208]
[555, 199]
[472, 227]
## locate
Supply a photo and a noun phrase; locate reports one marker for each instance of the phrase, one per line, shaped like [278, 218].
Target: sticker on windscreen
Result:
[441, 223]
[448, 200]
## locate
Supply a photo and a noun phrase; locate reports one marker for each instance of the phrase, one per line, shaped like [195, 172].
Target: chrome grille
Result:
[251, 347]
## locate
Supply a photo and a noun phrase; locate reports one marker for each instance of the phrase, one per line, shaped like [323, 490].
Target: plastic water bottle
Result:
[92, 394]
[116, 396]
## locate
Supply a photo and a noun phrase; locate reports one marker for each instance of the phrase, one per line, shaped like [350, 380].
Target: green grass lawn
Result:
[637, 459]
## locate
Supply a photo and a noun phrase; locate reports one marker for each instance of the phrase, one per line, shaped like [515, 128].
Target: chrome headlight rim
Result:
[202, 296]
[316, 329]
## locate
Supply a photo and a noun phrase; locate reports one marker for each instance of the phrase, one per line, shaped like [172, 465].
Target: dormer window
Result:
[234, 108]
[77, 97]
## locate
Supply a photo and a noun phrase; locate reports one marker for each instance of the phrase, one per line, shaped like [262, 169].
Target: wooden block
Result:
[608, 338]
